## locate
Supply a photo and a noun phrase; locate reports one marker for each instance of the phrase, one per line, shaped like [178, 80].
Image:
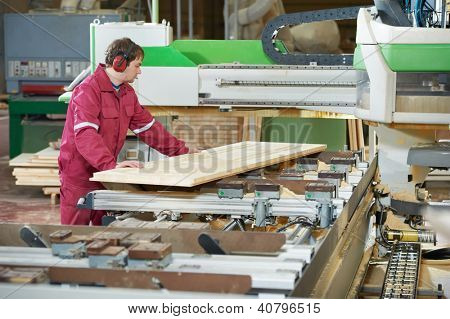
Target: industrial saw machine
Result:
[299, 232]
[285, 224]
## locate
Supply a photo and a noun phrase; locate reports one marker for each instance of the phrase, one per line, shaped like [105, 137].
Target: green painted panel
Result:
[332, 132]
[36, 136]
[29, 137]
[411, 57]
[221, 51]
[36, 105]
[417, 57]
[165, 56]
[358, 61]
[188, 53]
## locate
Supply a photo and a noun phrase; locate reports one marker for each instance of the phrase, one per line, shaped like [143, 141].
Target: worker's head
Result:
[125, 58]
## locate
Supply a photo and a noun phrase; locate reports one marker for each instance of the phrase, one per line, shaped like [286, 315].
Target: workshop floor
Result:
[23, 204]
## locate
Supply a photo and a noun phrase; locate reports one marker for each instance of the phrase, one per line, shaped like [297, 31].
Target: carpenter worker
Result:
[102, 109]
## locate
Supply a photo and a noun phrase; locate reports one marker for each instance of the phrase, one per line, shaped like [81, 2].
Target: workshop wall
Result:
[204, 133]
[331, 132]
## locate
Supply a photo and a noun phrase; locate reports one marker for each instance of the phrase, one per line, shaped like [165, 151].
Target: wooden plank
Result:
[38, 183]
[37, 178]
[350, 134]
[411, 126]
[23, 171]
[360, 134]
[47, 154]
[355, 136]
[245, 129]
[145, 279]
[50, 190]
[44, 162]
[259, 121]
[24, 160]
[54, 193]
[213, 164]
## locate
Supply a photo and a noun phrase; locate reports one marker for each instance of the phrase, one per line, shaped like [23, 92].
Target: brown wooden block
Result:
[291, 173]
[129, 222]
[20, 275]
[95, 247]
[141, 238]
[113, 237]
[112, 251]
[60, 235]
[150, 251]
[66, 237]
[159, 225]
[189, 225]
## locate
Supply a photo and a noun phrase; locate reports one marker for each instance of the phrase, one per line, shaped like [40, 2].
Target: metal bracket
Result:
[104, 261]
[69, 250]
[262, 208]
[86, 202]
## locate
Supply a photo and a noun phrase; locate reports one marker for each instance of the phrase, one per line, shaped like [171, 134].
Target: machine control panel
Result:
[45, 69]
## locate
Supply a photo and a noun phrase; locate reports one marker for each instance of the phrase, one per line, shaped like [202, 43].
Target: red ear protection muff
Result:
[120, 63]
[121, 60]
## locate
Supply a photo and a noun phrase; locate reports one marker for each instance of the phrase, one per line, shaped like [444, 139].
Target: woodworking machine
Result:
[254, 198]
[169, 259]
[399, 75]
[320, 207]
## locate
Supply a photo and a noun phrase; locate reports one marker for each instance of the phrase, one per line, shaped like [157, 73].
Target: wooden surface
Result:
[422, 104]
[411, 126]
[355, 134]
[48, 157]
[207, 111]
[182, 240]
[39, 169]
[207, 133]
[48, 153]
[213, 164]
[27, 160]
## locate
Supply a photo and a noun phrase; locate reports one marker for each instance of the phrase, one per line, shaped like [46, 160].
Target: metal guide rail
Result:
[402, 272]
[276, 273]
[287, 85]
[205, 203]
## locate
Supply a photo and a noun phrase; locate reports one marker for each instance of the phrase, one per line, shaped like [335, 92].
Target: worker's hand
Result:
[193, 149]
[133, 164]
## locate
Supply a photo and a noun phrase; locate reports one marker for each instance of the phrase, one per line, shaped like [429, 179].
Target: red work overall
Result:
[96, 126]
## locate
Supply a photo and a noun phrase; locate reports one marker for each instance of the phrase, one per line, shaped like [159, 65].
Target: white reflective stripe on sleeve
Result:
[145, 128]
[84, 124]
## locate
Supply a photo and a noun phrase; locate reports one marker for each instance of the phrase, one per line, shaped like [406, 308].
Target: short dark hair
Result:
[121, 47]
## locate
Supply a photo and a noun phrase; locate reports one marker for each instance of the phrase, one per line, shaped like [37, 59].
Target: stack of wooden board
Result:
[216, 131]
[209, 165]
[39, 169]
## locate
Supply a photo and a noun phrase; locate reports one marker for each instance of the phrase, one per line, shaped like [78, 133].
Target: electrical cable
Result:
[437, 254]
[304, 221]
